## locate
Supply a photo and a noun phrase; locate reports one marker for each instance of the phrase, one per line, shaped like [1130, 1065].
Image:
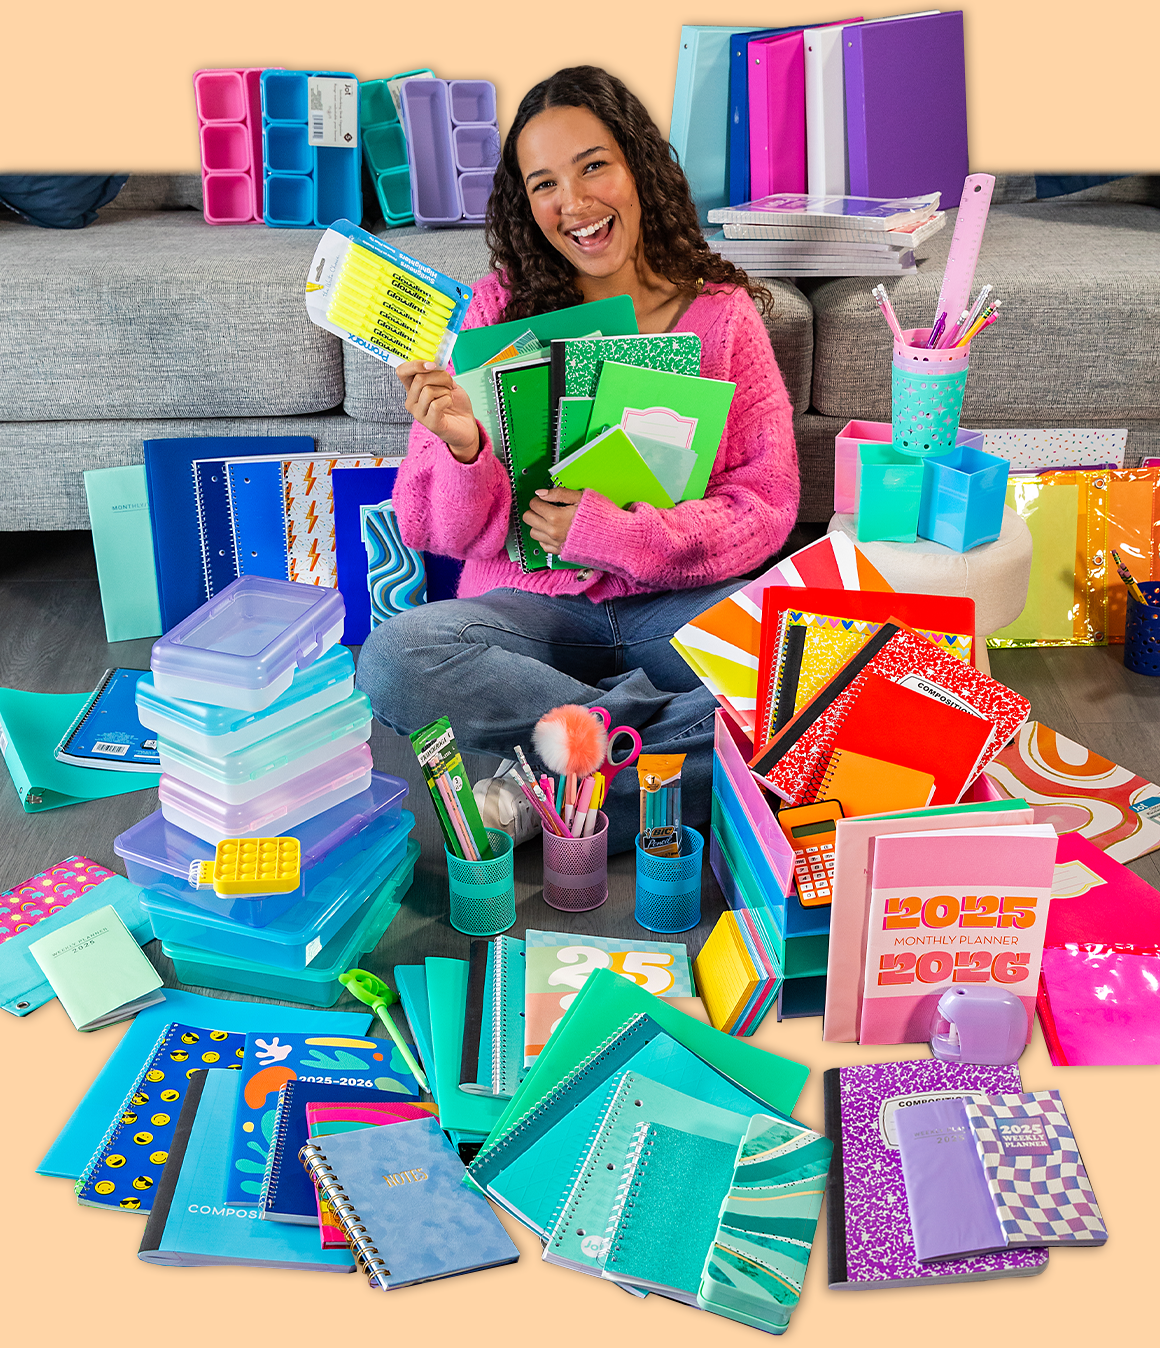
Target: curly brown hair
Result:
[537, 276]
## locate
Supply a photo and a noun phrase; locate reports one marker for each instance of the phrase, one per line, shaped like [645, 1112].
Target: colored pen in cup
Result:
[883, 301]
[973, 315]
[1129, 580]
[936, 332]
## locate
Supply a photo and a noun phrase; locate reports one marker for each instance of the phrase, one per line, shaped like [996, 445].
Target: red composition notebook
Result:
[795, 760]
[933, 611]
[898, 725]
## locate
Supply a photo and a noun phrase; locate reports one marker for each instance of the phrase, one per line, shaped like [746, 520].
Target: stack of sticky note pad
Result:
[736, 981]
[379, 299]
[278, 857]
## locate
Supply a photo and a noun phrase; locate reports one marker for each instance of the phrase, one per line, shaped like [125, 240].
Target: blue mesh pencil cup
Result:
[668, 889]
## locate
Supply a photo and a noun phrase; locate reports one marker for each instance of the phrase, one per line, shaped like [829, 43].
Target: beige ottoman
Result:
[994, 575]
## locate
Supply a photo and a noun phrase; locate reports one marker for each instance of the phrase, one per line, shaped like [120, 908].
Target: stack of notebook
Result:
[629, 1098]
[578, 399]
[796, 235]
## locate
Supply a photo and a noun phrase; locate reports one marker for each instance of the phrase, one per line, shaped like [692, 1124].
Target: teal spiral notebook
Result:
[577, 1239]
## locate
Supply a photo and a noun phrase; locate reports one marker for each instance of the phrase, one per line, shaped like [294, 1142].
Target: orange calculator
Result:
[810, 830]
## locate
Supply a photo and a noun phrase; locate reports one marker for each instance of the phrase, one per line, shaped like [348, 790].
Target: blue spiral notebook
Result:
[190, 1225]
[108, 733]
[256, 532]
[399, 1196]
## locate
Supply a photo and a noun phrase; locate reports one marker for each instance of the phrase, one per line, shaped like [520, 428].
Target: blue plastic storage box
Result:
[293, 940]
[158, 855]
[318, 984]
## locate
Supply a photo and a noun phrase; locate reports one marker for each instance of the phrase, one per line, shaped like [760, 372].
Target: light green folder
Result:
[612, 465]
[123, 545]
[678, 408]
[447, 998]
[31, 726]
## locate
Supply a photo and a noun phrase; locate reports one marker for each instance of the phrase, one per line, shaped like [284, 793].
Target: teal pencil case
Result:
[23, 986]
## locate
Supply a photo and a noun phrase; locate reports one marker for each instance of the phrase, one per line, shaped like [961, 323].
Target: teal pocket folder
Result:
[123, 547]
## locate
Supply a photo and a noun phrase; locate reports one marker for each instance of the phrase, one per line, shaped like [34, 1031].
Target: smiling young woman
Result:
[588, 203]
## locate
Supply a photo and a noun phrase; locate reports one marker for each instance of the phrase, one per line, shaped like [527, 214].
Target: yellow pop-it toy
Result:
[250, 866]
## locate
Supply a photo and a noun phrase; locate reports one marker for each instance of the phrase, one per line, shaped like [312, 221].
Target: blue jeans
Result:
[495, 664]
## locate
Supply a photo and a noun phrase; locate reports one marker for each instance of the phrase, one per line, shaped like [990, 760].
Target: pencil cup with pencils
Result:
[483, 895]
[926, 394]
[576, 869]
[1142, 629]
[668, 889]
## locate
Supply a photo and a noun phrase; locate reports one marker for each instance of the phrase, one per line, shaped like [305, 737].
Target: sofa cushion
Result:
[157, 314]
[374, 394]
[1080, 283]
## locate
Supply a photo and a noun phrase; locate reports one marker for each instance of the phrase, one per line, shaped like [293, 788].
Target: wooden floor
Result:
[52, 640]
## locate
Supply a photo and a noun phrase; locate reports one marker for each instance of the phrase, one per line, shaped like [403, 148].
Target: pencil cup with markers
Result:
[483, 895]
[926, 394]
[576, 869]
[1142, 629]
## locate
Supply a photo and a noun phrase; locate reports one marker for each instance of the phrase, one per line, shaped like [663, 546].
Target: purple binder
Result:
[906, 107]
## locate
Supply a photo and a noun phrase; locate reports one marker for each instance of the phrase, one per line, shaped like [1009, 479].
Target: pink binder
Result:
[777, 115]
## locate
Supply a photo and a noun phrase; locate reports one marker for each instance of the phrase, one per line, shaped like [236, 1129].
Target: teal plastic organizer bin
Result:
[962, 498]
[925, 408]
[294, 940]
[385, 146]
[316, 985]
[889, 494]
[305, 186]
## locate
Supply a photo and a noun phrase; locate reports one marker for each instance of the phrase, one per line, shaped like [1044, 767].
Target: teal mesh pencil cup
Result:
[668, 889]
[926, 395]
[483, 893]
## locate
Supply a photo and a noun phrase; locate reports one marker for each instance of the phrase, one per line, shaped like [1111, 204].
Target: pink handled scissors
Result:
[612, 766]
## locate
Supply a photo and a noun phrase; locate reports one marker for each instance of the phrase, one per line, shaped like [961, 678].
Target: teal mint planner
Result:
[123, 547]
[398, 1194]
[191, 1225]
[679, 409]
[575, 1239]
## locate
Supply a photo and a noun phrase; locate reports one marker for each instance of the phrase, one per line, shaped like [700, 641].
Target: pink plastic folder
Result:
[1100, 1005]
[777, 115]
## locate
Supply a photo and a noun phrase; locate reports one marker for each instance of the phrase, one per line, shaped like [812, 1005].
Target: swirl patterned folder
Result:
[398, 1194]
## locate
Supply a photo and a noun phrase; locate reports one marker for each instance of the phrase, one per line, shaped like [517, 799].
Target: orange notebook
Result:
[867, 785]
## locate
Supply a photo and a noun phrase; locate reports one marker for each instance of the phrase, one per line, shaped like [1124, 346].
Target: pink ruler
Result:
[955, 295]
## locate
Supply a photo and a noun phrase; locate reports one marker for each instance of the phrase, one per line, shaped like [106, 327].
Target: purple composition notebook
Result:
[951, 1211]
[867, 1223]
[906, 107]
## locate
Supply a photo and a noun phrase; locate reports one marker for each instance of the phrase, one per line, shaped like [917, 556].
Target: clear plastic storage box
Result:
[293, 940]
[258, 768]
[224, 730]
[317, 985]
[276, 811]
[241, 648]
[158, 854]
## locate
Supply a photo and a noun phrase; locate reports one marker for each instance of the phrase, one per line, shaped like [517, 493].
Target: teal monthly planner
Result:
[123, 547]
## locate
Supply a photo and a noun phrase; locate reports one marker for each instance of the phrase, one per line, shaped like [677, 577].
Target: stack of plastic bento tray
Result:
[261, 734]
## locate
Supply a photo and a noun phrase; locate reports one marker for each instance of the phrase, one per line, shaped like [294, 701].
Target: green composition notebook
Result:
[677, 409]
[521, 396]
[612, 465]
[586, 1208]
[614, 316]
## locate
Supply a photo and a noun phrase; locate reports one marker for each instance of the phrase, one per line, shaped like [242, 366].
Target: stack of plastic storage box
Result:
[261, 734]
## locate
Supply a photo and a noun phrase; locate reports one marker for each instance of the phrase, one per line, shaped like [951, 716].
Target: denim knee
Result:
[393, 663]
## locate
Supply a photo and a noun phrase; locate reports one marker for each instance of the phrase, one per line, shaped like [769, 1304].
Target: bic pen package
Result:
[660, 803]
[377, 298]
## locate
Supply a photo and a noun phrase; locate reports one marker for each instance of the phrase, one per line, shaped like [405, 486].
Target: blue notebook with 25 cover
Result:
[399, 1196]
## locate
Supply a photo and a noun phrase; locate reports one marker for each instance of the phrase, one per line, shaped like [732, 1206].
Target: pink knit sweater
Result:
[463, 510]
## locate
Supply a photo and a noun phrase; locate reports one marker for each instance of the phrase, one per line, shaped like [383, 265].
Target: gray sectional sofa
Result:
[152, 323]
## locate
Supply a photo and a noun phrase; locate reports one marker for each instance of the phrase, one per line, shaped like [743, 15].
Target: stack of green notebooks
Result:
[579, 399]
[627, 1100]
